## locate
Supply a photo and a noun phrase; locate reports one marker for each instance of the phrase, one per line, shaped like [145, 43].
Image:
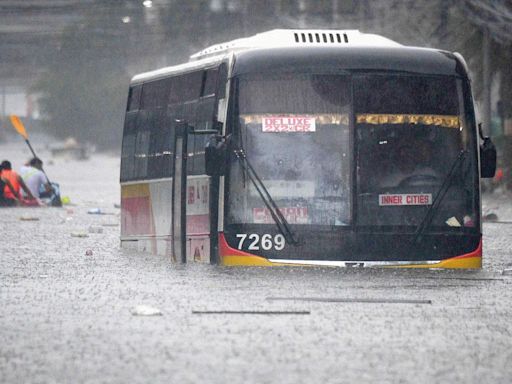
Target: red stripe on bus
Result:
[476, 253]
[225, 249]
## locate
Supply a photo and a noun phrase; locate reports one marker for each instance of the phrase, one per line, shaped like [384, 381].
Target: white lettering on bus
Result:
[265, 242]
[300, 123]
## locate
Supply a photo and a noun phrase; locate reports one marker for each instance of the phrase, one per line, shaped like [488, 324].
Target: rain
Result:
[81, 302]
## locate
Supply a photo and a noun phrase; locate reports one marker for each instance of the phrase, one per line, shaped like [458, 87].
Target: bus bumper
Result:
[234, 257]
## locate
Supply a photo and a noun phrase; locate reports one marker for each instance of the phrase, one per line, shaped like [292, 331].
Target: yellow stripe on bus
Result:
[440, 120]
[134, 190]
[453, 263]
[253, 261]
[448, 121]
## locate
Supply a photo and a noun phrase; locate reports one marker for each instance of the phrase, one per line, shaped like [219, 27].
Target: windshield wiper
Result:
[427, 219]
[282, 224]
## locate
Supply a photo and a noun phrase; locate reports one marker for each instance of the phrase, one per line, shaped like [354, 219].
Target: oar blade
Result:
[18, 126]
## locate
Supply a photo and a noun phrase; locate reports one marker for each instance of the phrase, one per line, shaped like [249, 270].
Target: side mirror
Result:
[487, 156]
[216, 156]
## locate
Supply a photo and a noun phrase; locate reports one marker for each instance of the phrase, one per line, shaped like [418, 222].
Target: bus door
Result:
[179, 187]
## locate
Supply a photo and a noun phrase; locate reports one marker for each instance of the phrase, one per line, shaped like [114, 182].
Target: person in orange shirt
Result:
[4, 183]
[13, 195]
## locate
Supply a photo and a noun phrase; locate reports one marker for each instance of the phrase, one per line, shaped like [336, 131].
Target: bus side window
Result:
[155, 94]
[128, 149]
[134, 98]
[167, 140]
[149, 146]
[213, 89]
[192, 98]
[210, 82]
[189, 112]
[157, 146]
[174, 113]
[182, 105]
[204, 120]
[222, 79]
[185, 87]
[141, 146]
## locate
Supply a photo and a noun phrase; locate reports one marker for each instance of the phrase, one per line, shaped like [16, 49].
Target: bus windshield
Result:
[410, 130]
[371, 150]
[294, 130]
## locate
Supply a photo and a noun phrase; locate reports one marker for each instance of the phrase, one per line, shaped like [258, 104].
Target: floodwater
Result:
[70, 306]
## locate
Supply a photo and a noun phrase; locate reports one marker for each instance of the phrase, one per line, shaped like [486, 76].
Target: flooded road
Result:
[70, 304]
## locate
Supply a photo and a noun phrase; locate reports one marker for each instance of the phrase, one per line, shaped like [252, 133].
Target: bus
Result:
[306, 147]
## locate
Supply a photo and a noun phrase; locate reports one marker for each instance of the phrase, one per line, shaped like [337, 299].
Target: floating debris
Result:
[99, 211]
[95, 229]
[64, 220]
[79, 234]
[490, 217]
[145, 310]
[498, 221]
[462, 278]
[453, 222]
[251, 312]
[351, 300]
[468, 221]
[88, 252]
[29, 218]
[110, 224]
[117, 205]
[65, 200]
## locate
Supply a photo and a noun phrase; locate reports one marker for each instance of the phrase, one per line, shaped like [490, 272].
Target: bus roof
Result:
[375, 59]
[299, 38]
[290, 50]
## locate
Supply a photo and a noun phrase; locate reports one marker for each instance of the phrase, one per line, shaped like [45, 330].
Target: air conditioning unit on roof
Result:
[298, 37]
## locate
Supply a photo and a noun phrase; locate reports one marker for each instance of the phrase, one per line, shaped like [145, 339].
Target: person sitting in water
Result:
[12, 195]
[5, 183]
[34, 177]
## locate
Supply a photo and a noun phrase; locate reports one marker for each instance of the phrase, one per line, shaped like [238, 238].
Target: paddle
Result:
[20, 128]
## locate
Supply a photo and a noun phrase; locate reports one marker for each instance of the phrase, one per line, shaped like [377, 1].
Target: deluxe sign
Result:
[295, 123]
[405, 199]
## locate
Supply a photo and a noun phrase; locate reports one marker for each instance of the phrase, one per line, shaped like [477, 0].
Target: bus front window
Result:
[410, 131]
[294, 131]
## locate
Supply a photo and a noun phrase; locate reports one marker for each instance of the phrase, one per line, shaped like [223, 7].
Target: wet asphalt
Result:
[70, 307]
